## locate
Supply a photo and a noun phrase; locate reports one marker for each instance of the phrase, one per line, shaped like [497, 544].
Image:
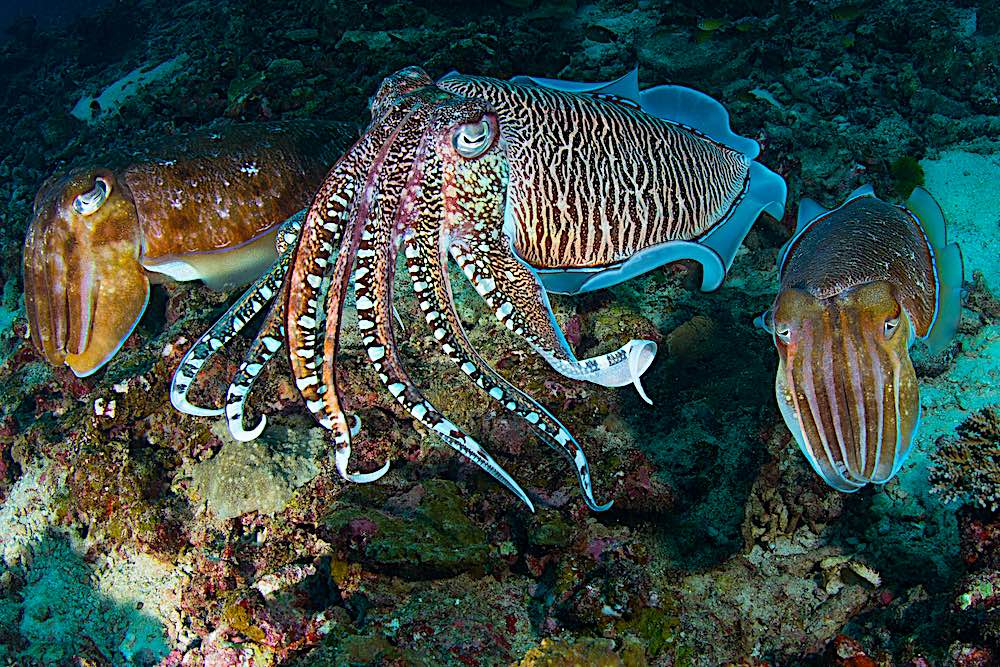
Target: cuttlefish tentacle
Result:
[427, 263]
[859, 284]
[305, 345]
[266, 344]
[512, 291]
[268, 341]
[253, 300]
[331, 211]
[376, 261]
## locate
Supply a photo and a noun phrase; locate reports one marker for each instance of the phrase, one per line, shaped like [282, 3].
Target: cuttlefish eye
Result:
[783, 332]
[88, 202]
[891, 325]
[472, 139]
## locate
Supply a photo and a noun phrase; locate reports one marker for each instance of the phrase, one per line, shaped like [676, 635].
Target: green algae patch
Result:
[548, 530]
[434, 538]
[591, 651]
[657, 628]
[907, 174]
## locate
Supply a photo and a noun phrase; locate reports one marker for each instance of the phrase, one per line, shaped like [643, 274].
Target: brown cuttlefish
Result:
[201, 206]
[858, 284]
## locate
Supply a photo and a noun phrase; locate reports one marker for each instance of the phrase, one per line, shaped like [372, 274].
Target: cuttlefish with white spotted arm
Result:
[530, 186]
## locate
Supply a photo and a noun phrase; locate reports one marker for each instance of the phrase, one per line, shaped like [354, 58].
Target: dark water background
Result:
[20, 16]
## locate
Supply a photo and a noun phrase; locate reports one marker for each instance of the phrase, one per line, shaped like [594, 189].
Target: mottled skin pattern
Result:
[197, 206]
[452, 170]
[858, 284]
[867, 241]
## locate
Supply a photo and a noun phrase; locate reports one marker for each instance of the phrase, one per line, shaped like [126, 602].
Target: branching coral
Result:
[968, 467]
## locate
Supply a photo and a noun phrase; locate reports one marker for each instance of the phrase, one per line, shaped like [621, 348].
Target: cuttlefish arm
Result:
[843, 322]
[85, 288]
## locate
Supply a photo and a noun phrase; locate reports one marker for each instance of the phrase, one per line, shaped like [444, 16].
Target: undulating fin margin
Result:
[947, 258]
[765, 190]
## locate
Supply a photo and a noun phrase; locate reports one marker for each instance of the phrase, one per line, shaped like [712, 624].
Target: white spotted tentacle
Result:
[334, 216]
[267, 343]
[428, 271]
[376, 261]
[375, 321]
[231, 323]
[516, 297]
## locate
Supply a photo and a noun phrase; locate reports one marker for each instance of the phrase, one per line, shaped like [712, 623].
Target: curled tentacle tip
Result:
[356, 427]
[642, 392]
[239, 433]
[640, 355]
[592, 504]
[367, 477]
[181, 404]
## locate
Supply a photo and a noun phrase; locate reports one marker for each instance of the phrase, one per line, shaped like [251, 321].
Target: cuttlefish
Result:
[858, 285]
[529, 186]
[202, 206]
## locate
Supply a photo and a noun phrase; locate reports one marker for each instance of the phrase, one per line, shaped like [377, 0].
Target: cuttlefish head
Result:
[84, 288]
[845, 383]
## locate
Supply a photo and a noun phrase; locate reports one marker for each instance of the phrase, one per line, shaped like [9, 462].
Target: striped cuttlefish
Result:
[858, 285]
[199, 206]
[529, 186]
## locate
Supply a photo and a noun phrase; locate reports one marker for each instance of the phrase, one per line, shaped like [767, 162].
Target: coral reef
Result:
[132, 535]
[967, 467]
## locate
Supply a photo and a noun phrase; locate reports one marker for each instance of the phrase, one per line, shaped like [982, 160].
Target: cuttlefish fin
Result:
[578, 281]
[947, 264]
[626, 86]
[809, 210]
[698, 111]
[119, 296]
[765, 190]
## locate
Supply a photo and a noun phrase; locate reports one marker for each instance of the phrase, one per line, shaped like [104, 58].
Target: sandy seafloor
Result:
[137, 535]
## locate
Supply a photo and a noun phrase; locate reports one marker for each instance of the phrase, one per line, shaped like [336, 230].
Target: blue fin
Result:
[626, 86]
[766, 193]
[865, 190]
[931, 218]
[809, 210]
[947, 265]
[696, 110]
[575, 281]
[763, 322]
